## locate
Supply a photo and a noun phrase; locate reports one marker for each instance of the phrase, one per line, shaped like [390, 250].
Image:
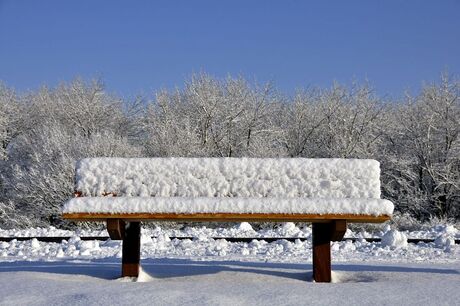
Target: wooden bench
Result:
[327, 192]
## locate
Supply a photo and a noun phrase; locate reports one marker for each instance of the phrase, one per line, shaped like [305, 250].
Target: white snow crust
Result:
[228, 205]
[229, 177]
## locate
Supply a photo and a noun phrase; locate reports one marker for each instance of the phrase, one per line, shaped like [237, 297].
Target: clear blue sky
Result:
[141, 46]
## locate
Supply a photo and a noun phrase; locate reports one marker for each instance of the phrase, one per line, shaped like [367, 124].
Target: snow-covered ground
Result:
[214, 271]
[189, 282]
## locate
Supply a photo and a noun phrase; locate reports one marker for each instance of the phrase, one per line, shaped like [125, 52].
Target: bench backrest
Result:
[229, 177]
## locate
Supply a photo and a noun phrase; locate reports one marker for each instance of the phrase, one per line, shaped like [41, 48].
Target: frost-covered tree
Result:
[424, 156]
[40, 176]
[352, 118]
[65, 124]
[261, 128]
[338, 122]
[168, 128]
[44, 132]
[11, 118]
[80, 106]
[301, 121]
[210, 117]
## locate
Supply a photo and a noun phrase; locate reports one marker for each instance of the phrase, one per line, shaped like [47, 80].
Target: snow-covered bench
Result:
[327, 192]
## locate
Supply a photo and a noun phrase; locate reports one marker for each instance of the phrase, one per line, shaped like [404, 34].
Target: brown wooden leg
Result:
[116, 229]
[323, 234]
[321, 252]
[131, 250]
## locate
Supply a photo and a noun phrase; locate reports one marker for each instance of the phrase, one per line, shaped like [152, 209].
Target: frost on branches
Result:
[44, 132]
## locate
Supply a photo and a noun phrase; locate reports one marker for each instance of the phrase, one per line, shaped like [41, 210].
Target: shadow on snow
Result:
[170, 268]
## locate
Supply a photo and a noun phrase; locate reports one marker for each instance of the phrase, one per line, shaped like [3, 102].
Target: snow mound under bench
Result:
[177, 205]
[229, 177]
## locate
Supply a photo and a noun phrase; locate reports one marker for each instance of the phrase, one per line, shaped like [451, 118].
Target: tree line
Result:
[44, 132]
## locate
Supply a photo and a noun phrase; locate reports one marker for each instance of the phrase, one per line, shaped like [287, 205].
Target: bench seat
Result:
[229, 209]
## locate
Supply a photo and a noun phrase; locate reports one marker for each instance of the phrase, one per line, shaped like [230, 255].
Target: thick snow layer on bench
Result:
[229, 177]
[114, 205]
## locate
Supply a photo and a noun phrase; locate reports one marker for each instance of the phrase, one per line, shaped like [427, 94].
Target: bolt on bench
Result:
[327, 192]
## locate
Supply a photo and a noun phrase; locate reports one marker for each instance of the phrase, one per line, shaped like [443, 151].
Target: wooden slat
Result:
[226, 217]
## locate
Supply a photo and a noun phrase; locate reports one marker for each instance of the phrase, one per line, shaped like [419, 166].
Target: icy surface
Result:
[229, 177]
[228, 205]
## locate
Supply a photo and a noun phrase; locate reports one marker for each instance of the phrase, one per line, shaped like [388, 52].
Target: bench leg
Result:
[321, 252]
[131, 250]
[323, 234]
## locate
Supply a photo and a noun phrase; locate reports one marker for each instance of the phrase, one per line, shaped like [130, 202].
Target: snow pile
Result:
[146, 240]
[445, 242]
[244, 227]
[446, 239]
[394, 239]
[88, 247]
[178, 205]
[288, 229]
[34, 243]
[229, 177]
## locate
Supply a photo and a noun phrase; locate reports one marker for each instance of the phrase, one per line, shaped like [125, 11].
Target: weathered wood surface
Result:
[227, 217]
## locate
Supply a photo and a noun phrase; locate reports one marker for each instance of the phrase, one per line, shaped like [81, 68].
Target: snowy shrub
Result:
[405, 221]
[11, 218]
